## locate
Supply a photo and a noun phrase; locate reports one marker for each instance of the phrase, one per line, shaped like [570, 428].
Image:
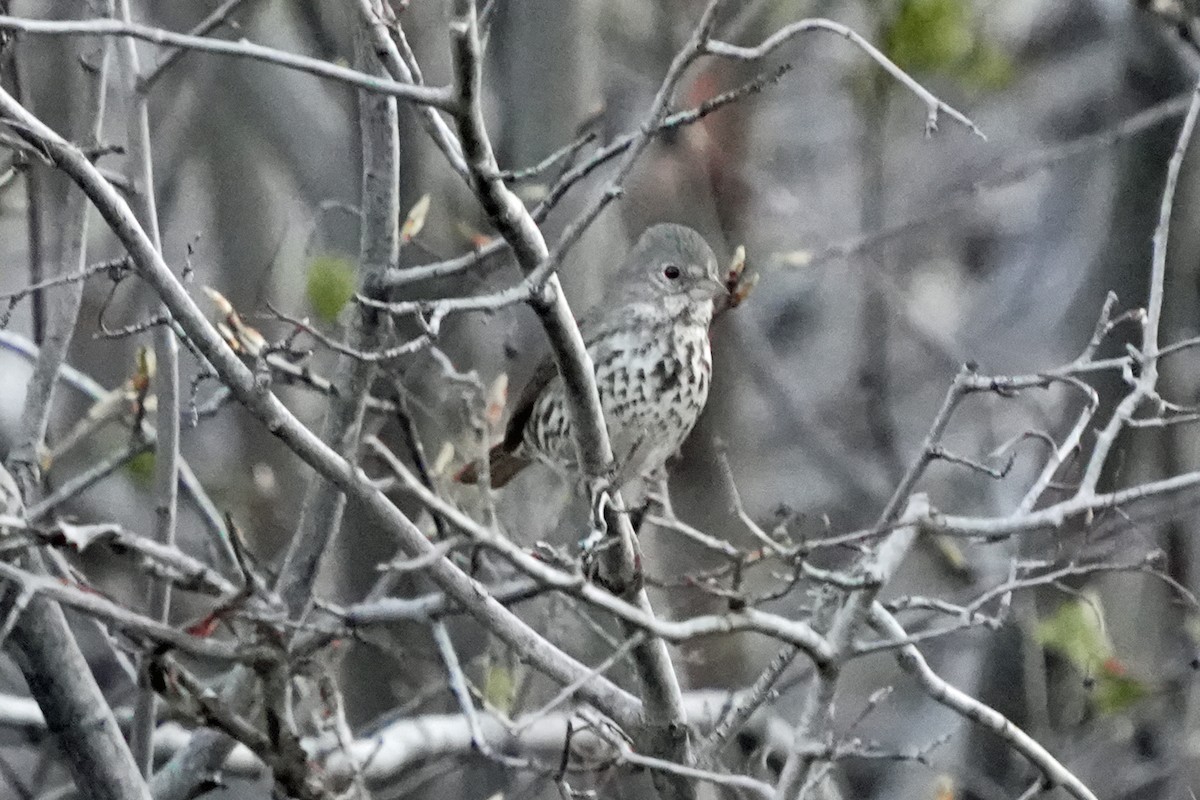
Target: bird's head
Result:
[672, 261]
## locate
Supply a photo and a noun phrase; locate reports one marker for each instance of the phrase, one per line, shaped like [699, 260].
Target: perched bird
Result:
[648, 340]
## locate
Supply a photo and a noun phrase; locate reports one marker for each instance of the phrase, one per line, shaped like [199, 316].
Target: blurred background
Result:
[887, 258]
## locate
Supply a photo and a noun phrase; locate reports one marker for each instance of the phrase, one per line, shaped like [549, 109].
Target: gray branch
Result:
[912, 662]
[422, 95]
[42, 644]
[663, 728]
[166, 379]
[325, 501]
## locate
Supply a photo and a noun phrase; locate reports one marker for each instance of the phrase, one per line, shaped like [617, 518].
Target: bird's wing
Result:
[522, 410]
[591, 327]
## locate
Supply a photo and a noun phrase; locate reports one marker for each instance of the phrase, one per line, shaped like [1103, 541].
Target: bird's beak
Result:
[719, 286]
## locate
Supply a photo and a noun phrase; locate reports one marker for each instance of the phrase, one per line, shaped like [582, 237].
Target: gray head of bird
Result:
[671, 261]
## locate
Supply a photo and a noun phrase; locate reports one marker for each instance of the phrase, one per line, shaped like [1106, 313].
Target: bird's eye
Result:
[670, 272]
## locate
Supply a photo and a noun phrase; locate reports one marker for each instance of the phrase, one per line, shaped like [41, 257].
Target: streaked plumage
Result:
[648, 340]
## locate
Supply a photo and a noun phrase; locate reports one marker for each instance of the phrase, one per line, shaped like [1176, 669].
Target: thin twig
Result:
[146, 436]
[1004, 173]
[816, 717]
[421, 95]
[390, 45]
[934, 106]
[272, 413]
[662, 730]
[218, 17]
[137, 626]
[43, 645]
[166, 379]
[912, 662]
[1144, 387]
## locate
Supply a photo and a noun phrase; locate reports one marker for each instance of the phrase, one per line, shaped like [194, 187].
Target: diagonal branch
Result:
[42, 644]
[663, 731]
[262, 404]
[631, 613]
[912, 662]
[139, 627]
[217, 17]
[324, 501]
[376, 19]
[145, 436]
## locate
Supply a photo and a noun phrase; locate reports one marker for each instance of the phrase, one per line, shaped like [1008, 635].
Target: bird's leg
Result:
[661, 490]
[637, 514]
[599, 501]
[653, 490]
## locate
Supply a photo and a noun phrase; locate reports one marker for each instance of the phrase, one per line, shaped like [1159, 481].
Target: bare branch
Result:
[1006, 172]
[379, 21]
[266, 407]
[555, 193]
[145, 439]
[325, 500]
[971, 615]
[1166, 496]
[218, 17]
[137, 626]
[379, 245]
[816, 719]
[663, 727]
[166, 378]
[912, 662]
[43, 645]
[934, 106]
[421, 95]
[575, 584]
[168, 561]
[696, 46]
[401, 744]
[745, 704]
[1144, 387]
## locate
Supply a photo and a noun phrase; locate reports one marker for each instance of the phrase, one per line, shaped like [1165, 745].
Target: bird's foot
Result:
[599, 500]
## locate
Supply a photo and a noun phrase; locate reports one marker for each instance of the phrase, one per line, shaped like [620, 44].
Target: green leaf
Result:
[141, 467]
[989, 68]
[930, 35]
[943, 37]
[1076, 632]
[331, 284]
[499, 687]
[1116, 691]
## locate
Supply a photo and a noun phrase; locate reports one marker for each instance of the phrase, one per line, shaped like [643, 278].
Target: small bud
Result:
[415, 220]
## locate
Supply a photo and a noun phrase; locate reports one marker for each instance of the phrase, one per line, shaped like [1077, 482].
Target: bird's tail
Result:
[503, 465]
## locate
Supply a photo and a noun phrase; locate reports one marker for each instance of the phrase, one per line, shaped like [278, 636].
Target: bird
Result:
[649, 345]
